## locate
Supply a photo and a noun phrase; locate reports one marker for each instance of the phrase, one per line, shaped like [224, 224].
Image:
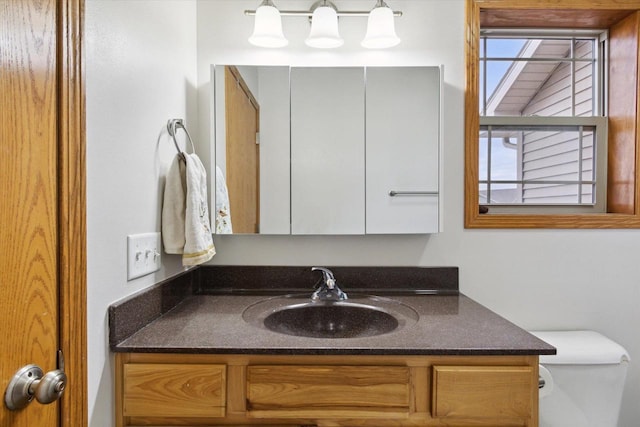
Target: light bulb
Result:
[324, 29]
[381, 31]
[267, 30]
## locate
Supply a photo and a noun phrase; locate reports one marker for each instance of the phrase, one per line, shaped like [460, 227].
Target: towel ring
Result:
[172, 127]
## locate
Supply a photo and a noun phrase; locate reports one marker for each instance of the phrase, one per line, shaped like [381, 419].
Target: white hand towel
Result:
[223, 211]
[198, 247]
[173, 208]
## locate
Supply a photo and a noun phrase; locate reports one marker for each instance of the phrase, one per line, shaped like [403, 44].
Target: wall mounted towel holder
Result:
[172, 127]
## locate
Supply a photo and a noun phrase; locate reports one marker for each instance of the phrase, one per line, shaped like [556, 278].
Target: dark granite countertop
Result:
[447, 325]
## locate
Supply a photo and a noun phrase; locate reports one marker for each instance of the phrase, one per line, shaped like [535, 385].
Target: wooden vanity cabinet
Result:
[504, 392]
[325, 391]
[174, 390]
[194, 390]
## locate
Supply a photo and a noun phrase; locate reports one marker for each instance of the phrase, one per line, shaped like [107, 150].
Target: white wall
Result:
[140, 72]
[539, 279]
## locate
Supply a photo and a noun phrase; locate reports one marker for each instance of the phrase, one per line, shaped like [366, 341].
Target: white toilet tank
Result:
[584, 381]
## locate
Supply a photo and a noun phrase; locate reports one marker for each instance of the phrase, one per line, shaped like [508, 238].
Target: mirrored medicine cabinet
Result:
[326, 150]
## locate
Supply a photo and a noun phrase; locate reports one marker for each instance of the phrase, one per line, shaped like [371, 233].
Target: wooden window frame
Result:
[622, 19]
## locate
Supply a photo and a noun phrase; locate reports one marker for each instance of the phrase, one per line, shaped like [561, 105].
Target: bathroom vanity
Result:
[181, 389]
[192, 353]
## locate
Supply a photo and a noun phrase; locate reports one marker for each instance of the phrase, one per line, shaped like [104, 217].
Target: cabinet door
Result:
[500, 392]
[402, 149]
[173, 390]
[328, 392]
[327, 151]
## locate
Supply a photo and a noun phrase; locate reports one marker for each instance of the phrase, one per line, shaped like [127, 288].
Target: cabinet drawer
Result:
[328, 391]
[483, 392]
[168, 390]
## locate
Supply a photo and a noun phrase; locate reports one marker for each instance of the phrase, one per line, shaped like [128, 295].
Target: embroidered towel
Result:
[185, 213]
[198, 245]
[223, 212]
[173, 207]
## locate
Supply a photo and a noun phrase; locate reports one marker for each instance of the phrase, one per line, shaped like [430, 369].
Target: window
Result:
[542, 137]
[539, 150]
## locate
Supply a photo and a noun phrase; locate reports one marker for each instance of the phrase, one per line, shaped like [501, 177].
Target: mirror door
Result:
[243, 155]
[327, 150]
[402, 134]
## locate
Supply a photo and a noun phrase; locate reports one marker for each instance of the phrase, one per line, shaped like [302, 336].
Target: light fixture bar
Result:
[323, 16]
[310, 13]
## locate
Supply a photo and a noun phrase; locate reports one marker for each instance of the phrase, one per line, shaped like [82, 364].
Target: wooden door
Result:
[243, 155]
[42, 264]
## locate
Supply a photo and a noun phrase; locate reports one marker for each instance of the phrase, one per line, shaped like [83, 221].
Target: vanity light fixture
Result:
[324, 27]
[267, 29]
[324, 32]
[381, 32]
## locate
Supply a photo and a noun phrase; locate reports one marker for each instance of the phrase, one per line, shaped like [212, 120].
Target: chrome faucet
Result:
[328, 289]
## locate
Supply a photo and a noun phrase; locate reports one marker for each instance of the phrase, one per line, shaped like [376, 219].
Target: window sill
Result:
[568, 221]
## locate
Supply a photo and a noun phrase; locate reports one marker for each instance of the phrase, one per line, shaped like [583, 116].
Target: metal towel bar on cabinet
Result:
[394, 193]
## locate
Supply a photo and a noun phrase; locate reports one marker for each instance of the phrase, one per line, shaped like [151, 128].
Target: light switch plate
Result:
[143, 254]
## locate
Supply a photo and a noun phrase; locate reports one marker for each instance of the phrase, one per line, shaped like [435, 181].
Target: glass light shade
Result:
[267, 30]
[324, 29]
[381, 32]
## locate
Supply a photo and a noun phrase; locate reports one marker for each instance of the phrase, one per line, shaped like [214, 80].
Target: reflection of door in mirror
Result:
[242, 164]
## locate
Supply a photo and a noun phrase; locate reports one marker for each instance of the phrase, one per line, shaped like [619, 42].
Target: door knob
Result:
[50, 387]
[29, 383]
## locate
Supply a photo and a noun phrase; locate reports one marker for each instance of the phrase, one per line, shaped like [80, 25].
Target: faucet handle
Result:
[329, 290]
[327, 276]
